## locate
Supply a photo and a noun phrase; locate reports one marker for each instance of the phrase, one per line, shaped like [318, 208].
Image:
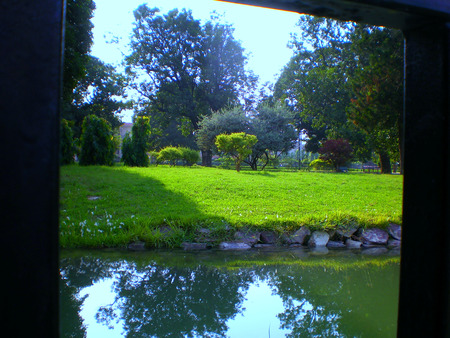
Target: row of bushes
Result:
[172, 155]
[97, 145]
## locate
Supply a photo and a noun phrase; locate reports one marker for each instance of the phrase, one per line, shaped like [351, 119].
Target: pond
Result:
[276, 293]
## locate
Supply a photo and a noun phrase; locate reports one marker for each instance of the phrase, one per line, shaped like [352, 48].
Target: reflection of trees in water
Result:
[166, 301]
[197, 300]
[181, 301]
[333, 303]
[76, 274]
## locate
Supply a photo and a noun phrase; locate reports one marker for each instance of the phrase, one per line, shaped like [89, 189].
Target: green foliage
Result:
[190, 69]
[99, 92]
[377, 103]
[136, 146]
[170, 154]
[237, 145]
[97, 142]
[173, 154]
[345, 81]
[189, 156]
[320, 164]
[272, 125]
[224, 121]
[336, 152]
[78, 40]
[315, 81]
[67, 147]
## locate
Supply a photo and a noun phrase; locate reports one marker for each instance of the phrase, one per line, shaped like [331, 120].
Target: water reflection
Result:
[179, 294]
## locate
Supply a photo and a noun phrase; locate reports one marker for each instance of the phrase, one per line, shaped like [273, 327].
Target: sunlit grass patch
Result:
[133, 203]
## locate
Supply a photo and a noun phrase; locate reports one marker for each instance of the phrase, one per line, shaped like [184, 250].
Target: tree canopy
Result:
[78, 40]
[237, 145]
[345, 81]
[100, 92]
[183, 69]
[272, 126]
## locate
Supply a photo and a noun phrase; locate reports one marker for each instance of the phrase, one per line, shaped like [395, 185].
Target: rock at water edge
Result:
[194, 246]
[335, 245]
[318, 238]
[268, 237]
[136, 246]
[234, 246]
[300, 235]
[375, 236]
[395, 231]
[342, 234]
[248, 237]
[394, 243]
[351, 244]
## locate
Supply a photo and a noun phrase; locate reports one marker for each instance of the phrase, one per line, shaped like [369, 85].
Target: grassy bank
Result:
[111, 206]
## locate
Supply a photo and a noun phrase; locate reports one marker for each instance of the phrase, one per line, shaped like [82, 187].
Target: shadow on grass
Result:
[111, 206]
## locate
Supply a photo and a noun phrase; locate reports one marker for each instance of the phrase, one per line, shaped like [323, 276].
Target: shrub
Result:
[169, 154]
[135, 147]
[97, 142]
[320, 164]
[336, 152]
[67, 146]
[189, 156]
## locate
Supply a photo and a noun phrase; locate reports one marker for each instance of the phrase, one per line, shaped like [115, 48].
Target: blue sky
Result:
[264, 33]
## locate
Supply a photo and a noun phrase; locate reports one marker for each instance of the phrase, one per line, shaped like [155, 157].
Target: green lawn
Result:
[133, 202]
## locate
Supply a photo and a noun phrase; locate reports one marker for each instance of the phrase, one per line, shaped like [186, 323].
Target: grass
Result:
[111, 206]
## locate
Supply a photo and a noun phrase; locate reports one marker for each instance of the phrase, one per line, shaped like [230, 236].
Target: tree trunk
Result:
[385, 163]
[252, 162]
[267, 161]
[207, 158]
[238, 164]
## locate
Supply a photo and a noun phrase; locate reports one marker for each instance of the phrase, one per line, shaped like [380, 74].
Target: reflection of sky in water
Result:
[97, 295]
[114, 297]
[257, 319]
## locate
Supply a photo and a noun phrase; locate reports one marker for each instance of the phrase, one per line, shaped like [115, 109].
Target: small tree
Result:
[97, 142]
[336, 152]
[238, 145]
[67, 147]
[224, 121]
[135, 147]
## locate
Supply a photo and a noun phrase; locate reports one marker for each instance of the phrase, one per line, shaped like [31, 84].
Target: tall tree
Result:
[78, 40]
[345, 81]
[315, 81]
[182, 69]
[272, 125]
[377, 103]
[224, 79]
[167, 50]
[100, 92]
